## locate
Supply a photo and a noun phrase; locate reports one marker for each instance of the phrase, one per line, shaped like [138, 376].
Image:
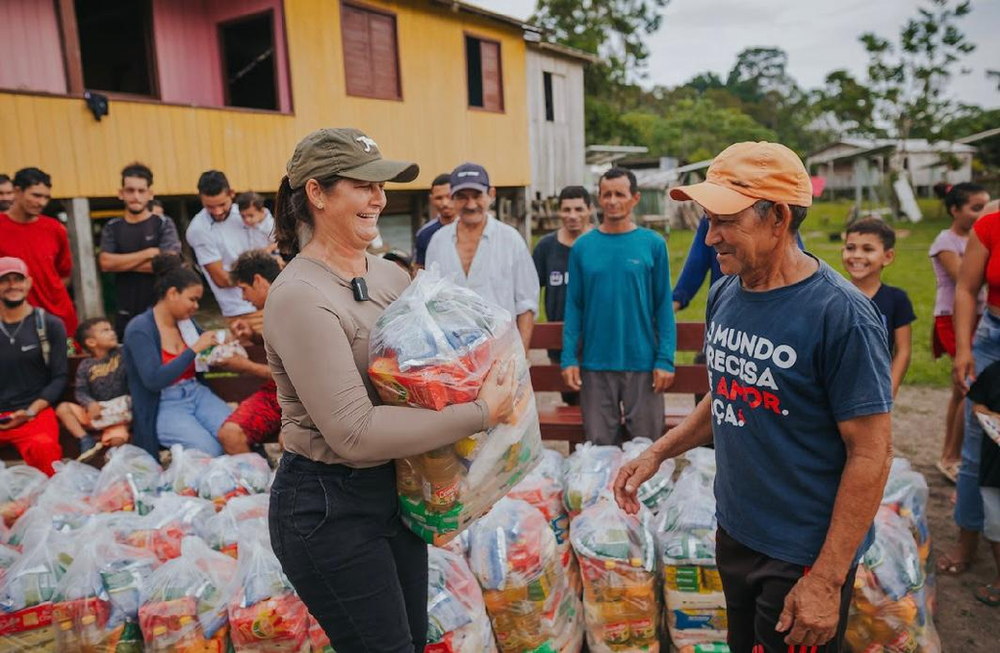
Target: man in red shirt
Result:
[41, 242]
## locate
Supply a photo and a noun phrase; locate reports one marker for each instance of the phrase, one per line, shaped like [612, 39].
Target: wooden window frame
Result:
[274, 57]
[73, 63]
[73, 56]
[357, 6]
[503, 96]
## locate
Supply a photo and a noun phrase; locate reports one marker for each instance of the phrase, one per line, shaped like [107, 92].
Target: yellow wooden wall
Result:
[431, 125]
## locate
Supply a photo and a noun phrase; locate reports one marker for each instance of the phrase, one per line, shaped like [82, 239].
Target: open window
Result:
[116, 45]
[249, 68]
[550, 107]
[484, 73]
[371, 52]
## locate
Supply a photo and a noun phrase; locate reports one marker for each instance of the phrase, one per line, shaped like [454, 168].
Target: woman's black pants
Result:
[361, 573]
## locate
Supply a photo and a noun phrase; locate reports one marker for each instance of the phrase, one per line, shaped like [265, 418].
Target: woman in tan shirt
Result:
[334, 515]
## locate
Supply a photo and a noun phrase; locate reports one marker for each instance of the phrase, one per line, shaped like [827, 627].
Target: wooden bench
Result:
[229, 386]
[566, 422]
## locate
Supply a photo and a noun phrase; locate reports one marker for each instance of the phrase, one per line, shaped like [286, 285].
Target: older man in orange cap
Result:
[799, 410]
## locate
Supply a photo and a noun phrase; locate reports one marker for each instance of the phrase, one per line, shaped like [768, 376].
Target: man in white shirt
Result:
[218, 235]
[483, 254]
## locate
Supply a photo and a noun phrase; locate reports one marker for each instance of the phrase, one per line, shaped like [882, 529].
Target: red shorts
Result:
[943, 337]
[259, 415]
[37, 440]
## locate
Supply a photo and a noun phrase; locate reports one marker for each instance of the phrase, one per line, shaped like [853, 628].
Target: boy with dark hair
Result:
[258, 417]
[129, 244]
[869, 248]
[156, 207]
[218, 235]
[551, 258]
[6, 192]
[100, 378]
[444, 214]
[41, 242]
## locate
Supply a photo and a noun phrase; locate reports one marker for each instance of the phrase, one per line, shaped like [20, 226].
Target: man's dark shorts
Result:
[259, 415]
[756, 587]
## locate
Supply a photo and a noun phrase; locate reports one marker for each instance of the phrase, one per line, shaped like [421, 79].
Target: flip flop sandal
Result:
[988, 594]
[945, 565]
[949, 470]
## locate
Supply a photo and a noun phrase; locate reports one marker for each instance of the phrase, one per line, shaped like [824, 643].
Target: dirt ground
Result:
[964, 624]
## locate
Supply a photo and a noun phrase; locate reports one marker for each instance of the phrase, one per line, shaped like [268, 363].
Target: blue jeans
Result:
[191, 415]
[969, 504]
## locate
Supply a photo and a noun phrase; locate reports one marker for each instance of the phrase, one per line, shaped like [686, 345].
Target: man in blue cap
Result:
[480, 252]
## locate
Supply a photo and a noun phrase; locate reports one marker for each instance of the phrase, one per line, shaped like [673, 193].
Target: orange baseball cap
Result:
[744, 173]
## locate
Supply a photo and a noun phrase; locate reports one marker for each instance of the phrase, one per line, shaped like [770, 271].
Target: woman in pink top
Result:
[965, 202]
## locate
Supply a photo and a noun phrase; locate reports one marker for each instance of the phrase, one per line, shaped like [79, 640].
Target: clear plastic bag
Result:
[456, 613]
[543, 488]
[95, 606]
[265, 614]
[172, 519]
[432, 348]
[72, 479]
[113, 412]
[18, 485]
[234, 476]
[590, 471]
[222, 529]
[222, 352]
[529, 601]
[129, 479]
[184, 601]
[63, 514]
[891, 606]
[32, 579]
[187, 466]
[617, 557]
[654, 492]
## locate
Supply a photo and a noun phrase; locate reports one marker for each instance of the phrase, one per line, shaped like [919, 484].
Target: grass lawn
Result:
[911, 271]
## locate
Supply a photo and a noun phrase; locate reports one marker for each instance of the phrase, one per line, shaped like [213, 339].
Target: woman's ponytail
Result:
[293, 221]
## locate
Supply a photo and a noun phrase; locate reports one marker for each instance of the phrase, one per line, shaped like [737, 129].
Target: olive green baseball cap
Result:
[345, 152]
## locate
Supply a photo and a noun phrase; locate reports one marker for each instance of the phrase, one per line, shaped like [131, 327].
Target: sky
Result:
[700, 35]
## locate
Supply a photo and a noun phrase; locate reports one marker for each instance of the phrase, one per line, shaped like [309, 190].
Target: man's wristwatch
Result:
[30, 413]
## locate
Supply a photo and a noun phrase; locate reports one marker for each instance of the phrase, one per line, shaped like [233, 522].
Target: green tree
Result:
[851, 104]
[908, 78]
[615, 30]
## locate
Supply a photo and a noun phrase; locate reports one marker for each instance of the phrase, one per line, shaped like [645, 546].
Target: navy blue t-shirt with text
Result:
[786, 365]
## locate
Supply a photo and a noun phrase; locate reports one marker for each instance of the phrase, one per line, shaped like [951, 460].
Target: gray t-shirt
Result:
[100, 379]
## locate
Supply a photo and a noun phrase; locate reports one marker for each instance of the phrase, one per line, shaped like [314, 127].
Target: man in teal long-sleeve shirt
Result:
[619, 334]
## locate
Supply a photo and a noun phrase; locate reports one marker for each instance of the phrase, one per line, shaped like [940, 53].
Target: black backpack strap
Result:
[43, 336]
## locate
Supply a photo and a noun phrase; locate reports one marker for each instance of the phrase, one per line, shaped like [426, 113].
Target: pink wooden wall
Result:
[30, 47]
[187, 48]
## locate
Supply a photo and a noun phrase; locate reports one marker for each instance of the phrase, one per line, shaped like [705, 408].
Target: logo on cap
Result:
[367, 142]
[469, 173]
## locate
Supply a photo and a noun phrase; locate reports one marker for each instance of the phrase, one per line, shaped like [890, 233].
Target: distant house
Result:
[852, 162]
[555, 118]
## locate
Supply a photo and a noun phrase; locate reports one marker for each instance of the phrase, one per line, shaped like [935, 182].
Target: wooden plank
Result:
[688, 379]
[548, 335]
[86, 280]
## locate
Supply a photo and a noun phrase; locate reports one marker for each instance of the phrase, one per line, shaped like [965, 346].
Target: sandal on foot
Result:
[949, 567]
[988, 594]
[949, 470]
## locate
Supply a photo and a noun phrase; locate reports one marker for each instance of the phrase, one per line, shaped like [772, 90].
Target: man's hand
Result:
[234, 363]
[94, 410]
[17, 418]
[571, 375]
[633, 474]
[242, 330]
[963, 370]
[811, 613]
[151, 252]
[662, 380]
